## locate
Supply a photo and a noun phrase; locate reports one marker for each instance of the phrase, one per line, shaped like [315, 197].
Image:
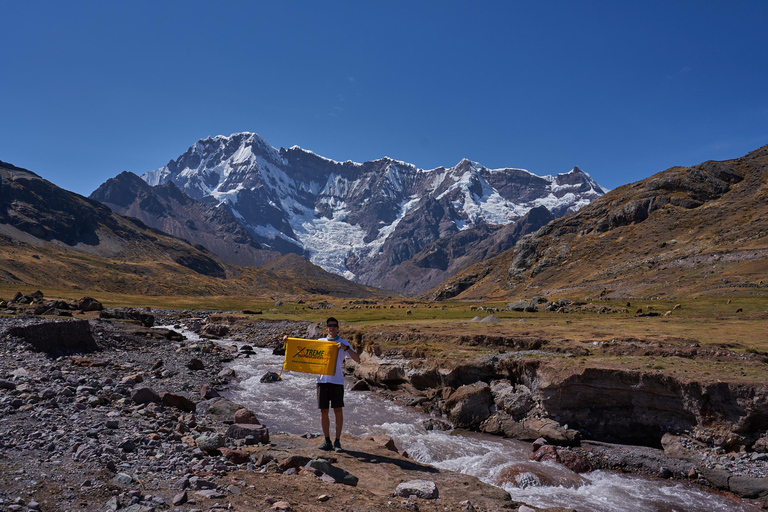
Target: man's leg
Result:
[339, 413]
[325, 423]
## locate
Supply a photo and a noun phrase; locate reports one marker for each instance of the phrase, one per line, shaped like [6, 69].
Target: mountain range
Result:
[384, 223]
[686, 231]
[50, 237]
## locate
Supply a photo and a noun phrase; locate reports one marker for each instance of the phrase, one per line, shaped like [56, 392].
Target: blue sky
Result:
[621, 89]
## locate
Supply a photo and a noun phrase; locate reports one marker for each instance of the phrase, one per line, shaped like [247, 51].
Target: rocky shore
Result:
[107, 414]
[110, 414]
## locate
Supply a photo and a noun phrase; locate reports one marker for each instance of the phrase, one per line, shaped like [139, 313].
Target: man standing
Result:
[330, 388]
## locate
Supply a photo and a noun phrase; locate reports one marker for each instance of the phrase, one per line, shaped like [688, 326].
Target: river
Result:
[289, 406]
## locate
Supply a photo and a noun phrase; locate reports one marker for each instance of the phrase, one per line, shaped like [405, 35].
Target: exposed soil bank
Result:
[705, 431]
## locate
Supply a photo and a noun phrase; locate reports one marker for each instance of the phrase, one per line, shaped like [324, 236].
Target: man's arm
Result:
[350, 352]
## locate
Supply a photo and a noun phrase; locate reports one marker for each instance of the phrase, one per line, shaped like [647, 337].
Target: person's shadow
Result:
[406, 465]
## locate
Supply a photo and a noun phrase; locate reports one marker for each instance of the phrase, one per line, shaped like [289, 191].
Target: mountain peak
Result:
[356, 219]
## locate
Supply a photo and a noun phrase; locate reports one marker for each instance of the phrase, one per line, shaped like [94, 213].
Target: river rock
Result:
[424, 489]
[502, 424]
[379, 373]
[294, 461]
[469, 405]
[425, 378]
[258, 433]
[235, 456]
[514, 400]
[219, 409]
[552, 431]
[144, 396]
[747, 487]
[673, 447]
[761, 445]
[246, 417]
[209, 441]
[207, 392]
[180, 402]
[573, 461]
[270, 377]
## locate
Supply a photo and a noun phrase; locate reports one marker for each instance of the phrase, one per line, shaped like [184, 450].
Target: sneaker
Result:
[337, 446]
[326, 446]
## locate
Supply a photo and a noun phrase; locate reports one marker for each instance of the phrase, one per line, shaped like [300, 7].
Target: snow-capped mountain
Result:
[360, 220]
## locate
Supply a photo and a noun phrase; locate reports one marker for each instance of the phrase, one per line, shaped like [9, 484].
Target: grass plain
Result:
[704, 339]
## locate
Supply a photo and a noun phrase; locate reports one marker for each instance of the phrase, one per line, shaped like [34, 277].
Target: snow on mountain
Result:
[349, 217]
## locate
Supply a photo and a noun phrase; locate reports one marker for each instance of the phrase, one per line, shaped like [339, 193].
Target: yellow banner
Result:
[310, 356]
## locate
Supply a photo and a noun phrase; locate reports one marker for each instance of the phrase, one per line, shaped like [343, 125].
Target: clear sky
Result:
[89, 89]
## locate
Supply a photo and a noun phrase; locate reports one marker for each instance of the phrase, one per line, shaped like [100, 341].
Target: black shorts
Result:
[330, 394]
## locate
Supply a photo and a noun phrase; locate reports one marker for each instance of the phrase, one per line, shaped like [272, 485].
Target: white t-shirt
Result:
[338, 375]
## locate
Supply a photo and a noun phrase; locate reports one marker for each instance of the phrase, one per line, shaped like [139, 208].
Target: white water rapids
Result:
[290, 406]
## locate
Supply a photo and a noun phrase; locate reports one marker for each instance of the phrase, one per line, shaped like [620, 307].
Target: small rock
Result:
[122, 478]
[424, 489]
[195, 364]
[246, 417]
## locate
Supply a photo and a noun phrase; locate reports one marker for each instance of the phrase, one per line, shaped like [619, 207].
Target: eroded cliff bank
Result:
[525, 393]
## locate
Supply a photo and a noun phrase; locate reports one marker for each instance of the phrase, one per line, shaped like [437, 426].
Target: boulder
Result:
[673, 447]
[469, 405]
[379, 373]
[747, 487]
[209, 442]
[501, 424]
[572, 460]
[424, 489]
[145, 319]
[523, 476]
[425, 378]
[180, 402]
[219, 408]
[236, 456]
[270, 377]
[89, 304]
[523, 305]
[57, 336]
[207, 392]
[144, 396]
[552, 431]
[259, 433]
[246, 417]
[195, 364]
[515, 400]
[294, 461]
[761, 445]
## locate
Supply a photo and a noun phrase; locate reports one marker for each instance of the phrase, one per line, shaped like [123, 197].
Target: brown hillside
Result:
[684, 231]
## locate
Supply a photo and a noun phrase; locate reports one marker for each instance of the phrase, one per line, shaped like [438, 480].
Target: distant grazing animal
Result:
[739, 310]
[729, 301]
[667, 313]
[408, 312]
[678, 306]
[638, 311]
